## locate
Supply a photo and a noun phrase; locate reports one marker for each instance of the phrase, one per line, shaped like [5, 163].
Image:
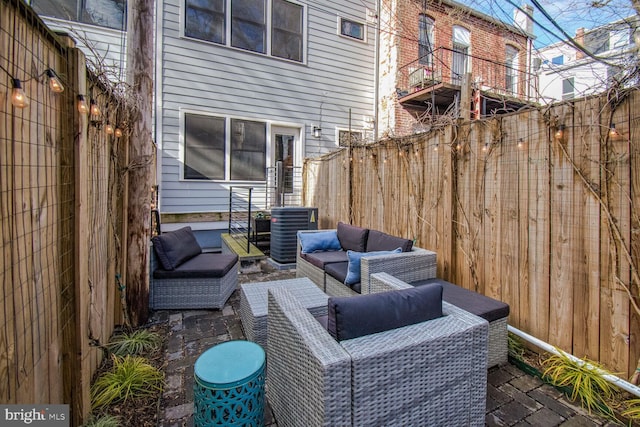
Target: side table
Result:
[253, 304]
[229, 385]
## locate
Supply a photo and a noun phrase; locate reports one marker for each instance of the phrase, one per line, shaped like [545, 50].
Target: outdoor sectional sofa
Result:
[183, 277]
[341, 261]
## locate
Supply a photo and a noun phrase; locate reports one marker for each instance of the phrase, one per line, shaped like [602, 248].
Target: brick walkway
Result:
[513, 397]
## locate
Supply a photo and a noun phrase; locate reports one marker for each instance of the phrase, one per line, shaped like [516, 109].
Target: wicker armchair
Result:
[430, 373]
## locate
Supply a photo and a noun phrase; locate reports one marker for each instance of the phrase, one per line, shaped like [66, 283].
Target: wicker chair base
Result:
[176, 294]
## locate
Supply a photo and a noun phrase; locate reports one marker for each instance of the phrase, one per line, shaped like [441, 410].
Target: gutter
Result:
[618, 382]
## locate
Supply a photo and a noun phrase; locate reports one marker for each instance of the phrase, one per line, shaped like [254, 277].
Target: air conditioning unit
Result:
[285, 223]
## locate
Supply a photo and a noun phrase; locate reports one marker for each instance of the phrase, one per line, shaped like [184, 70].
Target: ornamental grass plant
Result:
[130, 377]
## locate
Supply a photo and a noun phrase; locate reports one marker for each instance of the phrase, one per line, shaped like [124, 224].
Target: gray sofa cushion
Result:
[175, 247]
[352, 237]
[339, 271]
[320, 259]
[379, 241]
[352, 317]
[207, 265]
[481, 305]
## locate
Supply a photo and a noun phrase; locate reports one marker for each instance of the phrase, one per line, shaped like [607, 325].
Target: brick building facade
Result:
[427, 50]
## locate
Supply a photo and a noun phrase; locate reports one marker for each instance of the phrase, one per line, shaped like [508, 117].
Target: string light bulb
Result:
[54, 81]
[520, 142]
[559, 135]
[82, 105]
[613, 133]
[108, 128]
[485, 147]
[94, 109]
[117, 132]
[18, 97]
[458, 146]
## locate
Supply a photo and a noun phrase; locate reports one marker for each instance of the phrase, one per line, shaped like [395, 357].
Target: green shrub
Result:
[134, 343]
[130, 377]
[632, 410]
[516, 347]
[103, 421]
[585, 382]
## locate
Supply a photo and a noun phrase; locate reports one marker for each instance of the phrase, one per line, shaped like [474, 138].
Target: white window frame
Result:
[572, 94]
[355, 21]
[227, 144]
[269, 26]
[353, 131]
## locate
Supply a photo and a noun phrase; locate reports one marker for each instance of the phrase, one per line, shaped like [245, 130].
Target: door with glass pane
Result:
[286, 174]
[460, 62]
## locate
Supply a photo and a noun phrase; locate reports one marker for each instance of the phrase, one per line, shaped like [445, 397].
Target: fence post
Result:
[82, 382]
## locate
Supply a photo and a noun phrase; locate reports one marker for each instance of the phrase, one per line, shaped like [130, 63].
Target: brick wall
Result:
[488, 41]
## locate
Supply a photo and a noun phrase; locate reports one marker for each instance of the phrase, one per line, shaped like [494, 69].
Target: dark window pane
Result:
[287, 30]
[204, 147]
[205, 20]
[248, 150]
[425, 42]
[248, 25]
[287, 45]
[287, 16]
[106, 13]
[351, 29]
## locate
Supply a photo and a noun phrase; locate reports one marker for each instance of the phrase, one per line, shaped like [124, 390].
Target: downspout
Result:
[619, 382]
[376, 89]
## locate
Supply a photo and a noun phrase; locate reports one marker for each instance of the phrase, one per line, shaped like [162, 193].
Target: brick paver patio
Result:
[514, 398]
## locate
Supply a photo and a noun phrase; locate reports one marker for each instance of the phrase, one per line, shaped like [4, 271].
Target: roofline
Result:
[486, 17]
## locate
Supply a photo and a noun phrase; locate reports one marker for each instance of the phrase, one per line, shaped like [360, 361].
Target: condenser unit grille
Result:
[285, 223]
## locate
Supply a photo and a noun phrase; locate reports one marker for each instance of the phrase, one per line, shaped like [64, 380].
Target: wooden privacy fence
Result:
[62, 186]
[539, 209]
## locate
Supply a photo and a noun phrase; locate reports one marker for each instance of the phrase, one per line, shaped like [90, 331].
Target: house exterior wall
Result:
[334, 82]
[105, 48]
[488, 40]
[561, 62]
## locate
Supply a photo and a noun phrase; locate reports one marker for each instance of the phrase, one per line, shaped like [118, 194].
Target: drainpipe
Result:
[376, 89]
[619, 382]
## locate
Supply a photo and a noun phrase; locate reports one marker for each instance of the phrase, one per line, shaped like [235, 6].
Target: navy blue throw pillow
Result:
[352, 317]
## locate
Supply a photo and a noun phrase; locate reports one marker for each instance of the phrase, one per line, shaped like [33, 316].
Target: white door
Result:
[286, 179]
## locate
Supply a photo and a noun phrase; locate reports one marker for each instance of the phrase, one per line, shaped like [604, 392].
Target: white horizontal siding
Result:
[108, 44]
[198, 76]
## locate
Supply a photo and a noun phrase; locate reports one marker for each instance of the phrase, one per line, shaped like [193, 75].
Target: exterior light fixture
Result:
[613, 133]
[317, 132]
[18, 97]
[54, 81]
[82, 105]
[94, 109]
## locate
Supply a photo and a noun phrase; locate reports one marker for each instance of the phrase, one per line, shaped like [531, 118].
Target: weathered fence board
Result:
[61, 220]
[547, 223]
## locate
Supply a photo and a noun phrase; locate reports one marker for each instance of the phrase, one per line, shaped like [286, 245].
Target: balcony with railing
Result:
[436, 82]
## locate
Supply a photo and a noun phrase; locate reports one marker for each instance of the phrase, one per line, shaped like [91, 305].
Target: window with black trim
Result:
[271, 27]
[222, 148]
[353, 29]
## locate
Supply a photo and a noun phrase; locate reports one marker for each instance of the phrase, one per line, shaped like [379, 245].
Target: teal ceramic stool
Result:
[229, 385]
